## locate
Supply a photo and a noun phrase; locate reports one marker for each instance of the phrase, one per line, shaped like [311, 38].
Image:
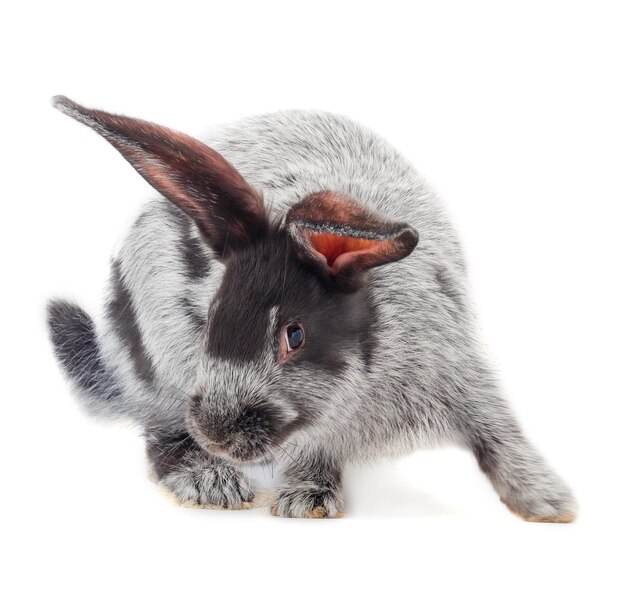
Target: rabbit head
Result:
[290, 332]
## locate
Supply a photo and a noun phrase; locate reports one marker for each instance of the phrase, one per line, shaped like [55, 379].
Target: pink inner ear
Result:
[339, 250]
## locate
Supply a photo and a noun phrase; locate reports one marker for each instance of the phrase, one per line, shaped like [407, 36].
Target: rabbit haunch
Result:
[207, 283]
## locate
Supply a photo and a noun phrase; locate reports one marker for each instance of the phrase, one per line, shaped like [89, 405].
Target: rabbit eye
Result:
[294, 336]
[291, 339]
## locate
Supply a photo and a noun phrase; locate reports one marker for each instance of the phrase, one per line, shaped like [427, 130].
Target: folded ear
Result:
[344, 239]
[226, 209]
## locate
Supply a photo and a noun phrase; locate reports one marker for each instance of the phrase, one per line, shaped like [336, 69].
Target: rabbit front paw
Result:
[307, 500]
[209, 484]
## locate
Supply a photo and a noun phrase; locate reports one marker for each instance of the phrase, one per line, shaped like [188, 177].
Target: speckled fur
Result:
[427, 382]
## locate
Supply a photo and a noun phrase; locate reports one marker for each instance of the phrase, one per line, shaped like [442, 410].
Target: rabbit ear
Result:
[226, 209]
[344, 239]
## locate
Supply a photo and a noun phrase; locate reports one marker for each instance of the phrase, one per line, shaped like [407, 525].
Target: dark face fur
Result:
[309, 271]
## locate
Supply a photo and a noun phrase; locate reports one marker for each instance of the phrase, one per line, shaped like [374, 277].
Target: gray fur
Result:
[427, 382]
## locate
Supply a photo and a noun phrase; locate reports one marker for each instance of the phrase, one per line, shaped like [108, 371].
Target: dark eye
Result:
[294, 336]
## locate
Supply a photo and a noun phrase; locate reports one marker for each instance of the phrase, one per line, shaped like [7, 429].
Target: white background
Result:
[514, 112]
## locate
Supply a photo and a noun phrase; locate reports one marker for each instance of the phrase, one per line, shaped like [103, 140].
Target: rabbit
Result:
[276, 306]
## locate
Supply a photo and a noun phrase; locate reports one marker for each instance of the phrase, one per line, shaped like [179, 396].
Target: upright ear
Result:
[226, 209]
[344, 239]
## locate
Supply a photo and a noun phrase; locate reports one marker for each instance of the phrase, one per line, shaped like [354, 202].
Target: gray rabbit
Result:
[276, 307]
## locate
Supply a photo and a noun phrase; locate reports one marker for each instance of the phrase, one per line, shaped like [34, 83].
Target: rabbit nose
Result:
[213, 429]
[241, 431]
[225, 430]
[213, 439]
[218, 430]
[244, 435]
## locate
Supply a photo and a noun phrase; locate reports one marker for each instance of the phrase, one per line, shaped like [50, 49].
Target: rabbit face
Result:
[280, 343]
